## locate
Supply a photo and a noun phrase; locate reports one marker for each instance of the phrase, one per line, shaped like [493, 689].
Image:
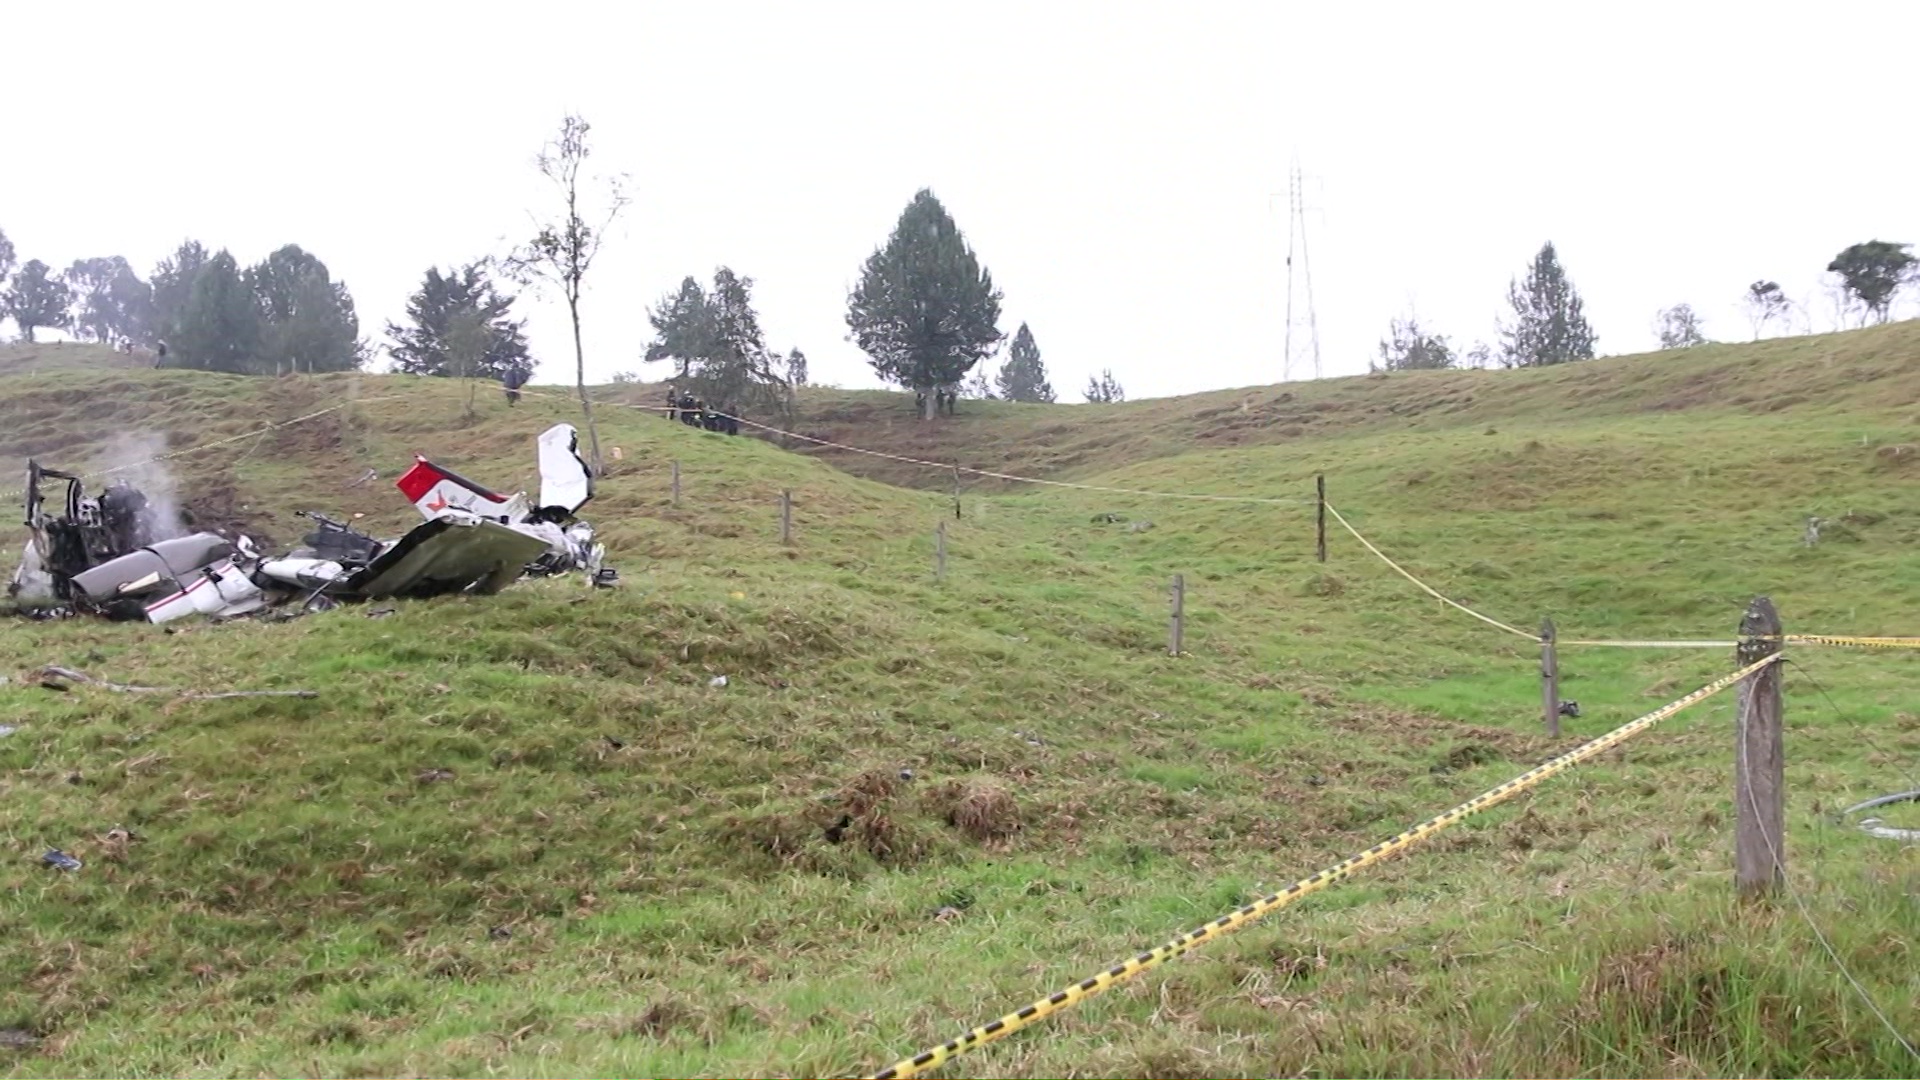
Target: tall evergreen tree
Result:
[37, 299]
[925, 311]
[308, 322]
[1024, 377]
[219, 328]
[737, 374]
[1549, 324]
[425, 343]
[682, 329]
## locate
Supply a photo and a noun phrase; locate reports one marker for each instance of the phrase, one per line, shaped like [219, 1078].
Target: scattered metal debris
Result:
[59, 678]
[18, 1039]
[6, 730]
[60, 860]
[1873, 826]
[717, 682]
[111, 555]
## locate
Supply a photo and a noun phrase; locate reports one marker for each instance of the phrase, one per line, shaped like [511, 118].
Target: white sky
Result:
[1121, 168]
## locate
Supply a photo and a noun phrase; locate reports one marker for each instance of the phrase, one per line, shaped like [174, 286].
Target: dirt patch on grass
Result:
[983, 810]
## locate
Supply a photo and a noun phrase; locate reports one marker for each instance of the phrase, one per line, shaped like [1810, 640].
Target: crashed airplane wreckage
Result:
[108, 556]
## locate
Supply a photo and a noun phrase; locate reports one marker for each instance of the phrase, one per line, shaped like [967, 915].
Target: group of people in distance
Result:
[691, 410]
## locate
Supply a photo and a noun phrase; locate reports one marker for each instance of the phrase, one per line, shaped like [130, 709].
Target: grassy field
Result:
[526, 835]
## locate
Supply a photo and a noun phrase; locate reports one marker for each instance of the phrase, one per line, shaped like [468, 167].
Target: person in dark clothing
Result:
[673, 404]
[512, 381]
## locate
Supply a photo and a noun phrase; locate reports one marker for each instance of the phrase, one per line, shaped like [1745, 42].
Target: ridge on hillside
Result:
[1876, 368]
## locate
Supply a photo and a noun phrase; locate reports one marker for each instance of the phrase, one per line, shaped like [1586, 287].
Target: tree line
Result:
[197, 309]
[1546, 322]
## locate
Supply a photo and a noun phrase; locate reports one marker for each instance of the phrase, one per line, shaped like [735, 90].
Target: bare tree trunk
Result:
[580, 380]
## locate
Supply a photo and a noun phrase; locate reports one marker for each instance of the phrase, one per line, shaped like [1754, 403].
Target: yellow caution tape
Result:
[1424, 587]
[1073, 995]
[1654, 644]
[1863, 642]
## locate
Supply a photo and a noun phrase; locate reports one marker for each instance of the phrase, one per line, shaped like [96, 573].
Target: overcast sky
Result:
[1120, 168]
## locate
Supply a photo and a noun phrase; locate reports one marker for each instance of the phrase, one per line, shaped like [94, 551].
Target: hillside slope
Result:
[527, 834]
[1875, 371]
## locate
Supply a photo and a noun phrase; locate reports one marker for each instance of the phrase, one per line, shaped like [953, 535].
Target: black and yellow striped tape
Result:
[1858, 642]
[1128, 969]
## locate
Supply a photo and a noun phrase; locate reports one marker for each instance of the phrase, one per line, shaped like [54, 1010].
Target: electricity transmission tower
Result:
[1299, 280]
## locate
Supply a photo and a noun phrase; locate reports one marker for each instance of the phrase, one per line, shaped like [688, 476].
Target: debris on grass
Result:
[60, 860]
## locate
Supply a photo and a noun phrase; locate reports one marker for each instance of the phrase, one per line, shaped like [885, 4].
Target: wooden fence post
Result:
[1320, 540]
[1177, 630]
[786, 516]
[940, 552]
[676, 481]
[1549, 678]
[956, 491]
[1759, 774]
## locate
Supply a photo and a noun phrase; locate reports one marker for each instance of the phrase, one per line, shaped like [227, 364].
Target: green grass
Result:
[627, 870]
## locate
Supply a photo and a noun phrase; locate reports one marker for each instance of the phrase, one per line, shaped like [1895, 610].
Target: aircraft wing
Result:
[448, 554]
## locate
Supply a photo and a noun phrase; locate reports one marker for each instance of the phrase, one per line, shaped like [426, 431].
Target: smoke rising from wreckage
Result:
[120, 556]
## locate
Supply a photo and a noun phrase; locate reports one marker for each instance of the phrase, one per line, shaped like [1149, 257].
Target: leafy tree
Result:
[1104, 390]
[219, 327]
[1409, 348]
[562, 252]
[1874, 273]
[96, 315]
[172, 286]
[737, 374]
[925, 311]
[797, 368]
[1765, 301]
[1679, 327]
[1480, 357]
[682, 328]
[1024, 377]
[37, 299]
[1549, 324]
[7, 256]
[977, 386]
[308, 321]
[424, 344]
